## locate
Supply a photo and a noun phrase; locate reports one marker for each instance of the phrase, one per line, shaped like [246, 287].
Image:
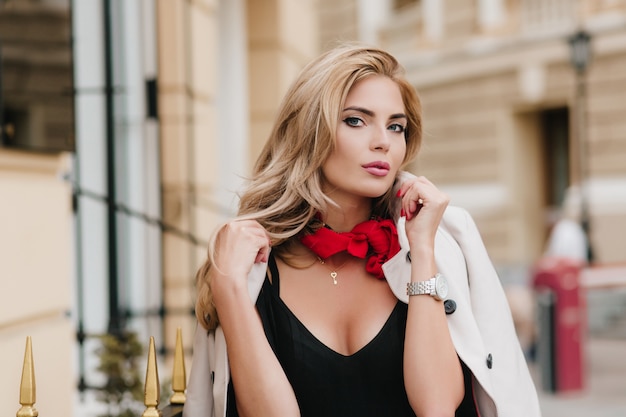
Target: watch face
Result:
[441, 287]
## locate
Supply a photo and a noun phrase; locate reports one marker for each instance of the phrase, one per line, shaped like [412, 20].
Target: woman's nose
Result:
[381, 140]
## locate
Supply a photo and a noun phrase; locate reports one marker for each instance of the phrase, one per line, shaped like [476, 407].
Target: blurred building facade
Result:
[111, 187]
[36, 244]
[503, 112]
[104, 223]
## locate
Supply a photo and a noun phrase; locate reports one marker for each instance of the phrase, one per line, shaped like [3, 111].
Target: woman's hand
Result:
[423, 206]
[239, 245]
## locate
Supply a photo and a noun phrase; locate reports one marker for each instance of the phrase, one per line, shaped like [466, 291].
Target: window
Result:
[36, 93]
[401, 4]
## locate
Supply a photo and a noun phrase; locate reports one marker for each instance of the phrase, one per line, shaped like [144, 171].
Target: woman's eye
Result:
[353, 121]
[396, 127]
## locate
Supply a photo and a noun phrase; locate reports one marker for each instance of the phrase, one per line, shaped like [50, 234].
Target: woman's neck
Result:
[343, 219]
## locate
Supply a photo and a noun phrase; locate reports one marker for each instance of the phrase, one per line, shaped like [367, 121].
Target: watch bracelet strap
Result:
[419, 288]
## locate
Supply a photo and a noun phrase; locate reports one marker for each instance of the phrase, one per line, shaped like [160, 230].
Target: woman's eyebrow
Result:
[371, 113]
[360, 110]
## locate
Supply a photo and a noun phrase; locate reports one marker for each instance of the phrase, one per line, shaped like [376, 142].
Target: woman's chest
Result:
[345, 316]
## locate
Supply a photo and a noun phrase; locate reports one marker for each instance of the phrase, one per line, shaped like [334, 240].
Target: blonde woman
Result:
[346, 287]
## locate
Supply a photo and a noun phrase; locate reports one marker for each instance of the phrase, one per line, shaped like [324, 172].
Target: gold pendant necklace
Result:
[333, 272]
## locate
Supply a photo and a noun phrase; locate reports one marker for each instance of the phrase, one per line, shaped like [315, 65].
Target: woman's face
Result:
[370, 144]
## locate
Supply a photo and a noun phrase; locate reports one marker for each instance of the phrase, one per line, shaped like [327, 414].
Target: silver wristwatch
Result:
[436, 287]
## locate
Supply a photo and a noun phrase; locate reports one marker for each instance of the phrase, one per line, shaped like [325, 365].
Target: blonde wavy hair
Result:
[284, 193]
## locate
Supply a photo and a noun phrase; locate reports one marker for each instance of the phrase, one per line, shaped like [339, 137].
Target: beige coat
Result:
[481, 327]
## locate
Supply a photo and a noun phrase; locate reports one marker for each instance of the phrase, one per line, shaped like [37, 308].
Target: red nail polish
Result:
[399, 193]
[402, 213]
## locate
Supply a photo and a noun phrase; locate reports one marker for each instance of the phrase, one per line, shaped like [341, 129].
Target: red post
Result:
[561, 276]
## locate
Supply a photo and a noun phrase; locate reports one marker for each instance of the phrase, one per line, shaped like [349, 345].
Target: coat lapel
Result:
[462, 324]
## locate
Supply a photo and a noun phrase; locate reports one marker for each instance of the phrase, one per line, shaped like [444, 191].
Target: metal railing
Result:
[152, 388]
[547, 15]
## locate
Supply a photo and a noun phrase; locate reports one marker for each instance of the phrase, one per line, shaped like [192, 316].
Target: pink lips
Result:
[378, 168]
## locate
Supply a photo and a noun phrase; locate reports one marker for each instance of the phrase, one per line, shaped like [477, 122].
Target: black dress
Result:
[368, 383]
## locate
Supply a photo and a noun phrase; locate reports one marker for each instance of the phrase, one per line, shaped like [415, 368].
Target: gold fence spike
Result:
[28, 391]
[179, 376]
[152, 389]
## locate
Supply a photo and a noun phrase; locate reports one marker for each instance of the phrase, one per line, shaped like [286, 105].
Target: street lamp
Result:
[580, 49]
[580, 56]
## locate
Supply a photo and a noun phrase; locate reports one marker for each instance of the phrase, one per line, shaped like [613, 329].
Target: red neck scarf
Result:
[375, 239]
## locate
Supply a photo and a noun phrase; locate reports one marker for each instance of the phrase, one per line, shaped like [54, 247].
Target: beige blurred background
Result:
[128, 127]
